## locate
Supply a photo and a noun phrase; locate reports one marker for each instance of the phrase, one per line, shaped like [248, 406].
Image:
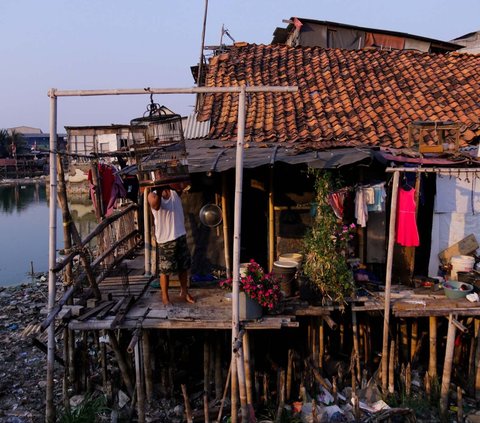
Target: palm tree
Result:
[17, 142]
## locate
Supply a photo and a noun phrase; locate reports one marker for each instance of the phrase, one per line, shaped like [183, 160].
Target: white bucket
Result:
[243, 269]
[295, 257]
[461, 264]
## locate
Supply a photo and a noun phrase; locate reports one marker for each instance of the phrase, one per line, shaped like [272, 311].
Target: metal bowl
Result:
[210, 215]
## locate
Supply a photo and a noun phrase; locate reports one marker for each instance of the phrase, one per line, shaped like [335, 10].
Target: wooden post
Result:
[139, 385]
[218, 370]
[188, 408]
[97, 184]
[355, 342]
[447, 366]
[314, 329]
[391, 369]
[388, 279]
[234, 391]
[248, 368]
[403, 344]
[226, 229]
[222, 402]
[281, 400]
[242, 389]
[147, 237]
[206, 378]
[413, 338]
[459, 404]
[289, 374]
[147, 364]
[432, 361]
[122, 364]
[271, 220]
[321, 343]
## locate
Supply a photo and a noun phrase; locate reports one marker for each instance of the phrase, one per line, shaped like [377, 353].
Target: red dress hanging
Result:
[407, 232]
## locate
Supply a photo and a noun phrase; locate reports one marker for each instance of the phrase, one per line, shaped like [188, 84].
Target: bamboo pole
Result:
[289, 374]
[218, 370]
[147, 234]
[432, 360]
[52, 251]
[391, 369]
[242, 389]
[147, 364]
[459, 404]
[97, 189]
[226, 229]
[227, 383]
[188, 408]
[206, 378]
[413, 339]
[140, 387]
[122, 364]
[321, 343]
[248, 368]
[234, 391]
[388, 280]
[447, 366]
[314, 332]
[355, 342]
[281, 400]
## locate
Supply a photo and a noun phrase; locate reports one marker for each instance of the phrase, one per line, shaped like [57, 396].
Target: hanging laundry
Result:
[118, 191]
[379, 195]
[336, 200]
[106, 181]
[406, 225]
[361, 210]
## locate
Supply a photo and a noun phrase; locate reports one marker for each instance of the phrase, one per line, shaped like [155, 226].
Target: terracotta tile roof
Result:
[345, 97]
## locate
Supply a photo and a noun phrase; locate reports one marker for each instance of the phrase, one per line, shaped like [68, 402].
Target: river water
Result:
[24, 230]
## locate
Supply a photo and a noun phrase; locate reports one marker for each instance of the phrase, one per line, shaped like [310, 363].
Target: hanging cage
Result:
[159, 147]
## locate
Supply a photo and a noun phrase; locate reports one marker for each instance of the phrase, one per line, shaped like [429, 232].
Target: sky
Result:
[112, 44]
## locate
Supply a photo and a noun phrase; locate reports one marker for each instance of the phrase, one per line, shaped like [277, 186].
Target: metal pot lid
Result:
[210, 215]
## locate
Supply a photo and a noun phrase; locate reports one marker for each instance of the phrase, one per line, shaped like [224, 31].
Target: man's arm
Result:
[154, 200]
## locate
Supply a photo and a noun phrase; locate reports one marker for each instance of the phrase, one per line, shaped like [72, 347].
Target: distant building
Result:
[313, 33]
[470, 42]
[35, 139]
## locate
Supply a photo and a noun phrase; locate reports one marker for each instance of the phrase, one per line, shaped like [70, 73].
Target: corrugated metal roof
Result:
[193, 129]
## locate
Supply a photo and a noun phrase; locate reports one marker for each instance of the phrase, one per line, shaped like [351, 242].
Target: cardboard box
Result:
[466, 246]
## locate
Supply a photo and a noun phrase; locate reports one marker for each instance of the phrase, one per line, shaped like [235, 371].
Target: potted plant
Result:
[327, 246]
[258, 291]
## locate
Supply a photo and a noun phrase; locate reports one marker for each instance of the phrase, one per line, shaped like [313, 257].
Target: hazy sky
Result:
[92, 44]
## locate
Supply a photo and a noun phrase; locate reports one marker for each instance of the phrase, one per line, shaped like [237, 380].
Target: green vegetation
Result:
[87, 412]
[325, 259]
[7, 140]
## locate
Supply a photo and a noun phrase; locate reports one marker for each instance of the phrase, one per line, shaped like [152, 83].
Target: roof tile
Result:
[346, 97]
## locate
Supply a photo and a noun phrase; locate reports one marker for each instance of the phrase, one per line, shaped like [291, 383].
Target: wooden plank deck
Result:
[212, 309]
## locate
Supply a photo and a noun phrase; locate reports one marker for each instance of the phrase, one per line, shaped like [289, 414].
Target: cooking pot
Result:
[210, 215]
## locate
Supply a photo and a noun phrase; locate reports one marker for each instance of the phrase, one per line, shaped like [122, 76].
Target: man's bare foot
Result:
[187, 298]
[166, 301]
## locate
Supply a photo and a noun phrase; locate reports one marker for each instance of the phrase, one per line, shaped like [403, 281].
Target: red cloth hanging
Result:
[406, 225]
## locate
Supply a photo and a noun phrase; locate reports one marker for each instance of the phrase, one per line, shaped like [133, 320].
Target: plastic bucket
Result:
[243, 269]
[284, 274]
[296, 257]
[461, 264]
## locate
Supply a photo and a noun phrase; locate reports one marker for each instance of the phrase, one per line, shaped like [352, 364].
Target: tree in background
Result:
[11, 144]
[4, 141]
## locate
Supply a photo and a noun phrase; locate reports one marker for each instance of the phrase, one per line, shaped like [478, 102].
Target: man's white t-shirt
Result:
[169, 219]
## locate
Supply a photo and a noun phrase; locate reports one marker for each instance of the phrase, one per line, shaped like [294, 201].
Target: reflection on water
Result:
[24, 225]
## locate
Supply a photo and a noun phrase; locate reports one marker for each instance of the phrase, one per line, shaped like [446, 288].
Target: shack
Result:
[352, 107]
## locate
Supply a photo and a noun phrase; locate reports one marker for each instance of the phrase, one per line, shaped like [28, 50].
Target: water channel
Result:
[24, 227]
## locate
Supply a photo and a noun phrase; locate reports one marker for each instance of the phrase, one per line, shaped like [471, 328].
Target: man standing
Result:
[170, 234]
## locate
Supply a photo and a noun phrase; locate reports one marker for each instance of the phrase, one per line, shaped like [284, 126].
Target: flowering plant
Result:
[343, 237]
[258, 285]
